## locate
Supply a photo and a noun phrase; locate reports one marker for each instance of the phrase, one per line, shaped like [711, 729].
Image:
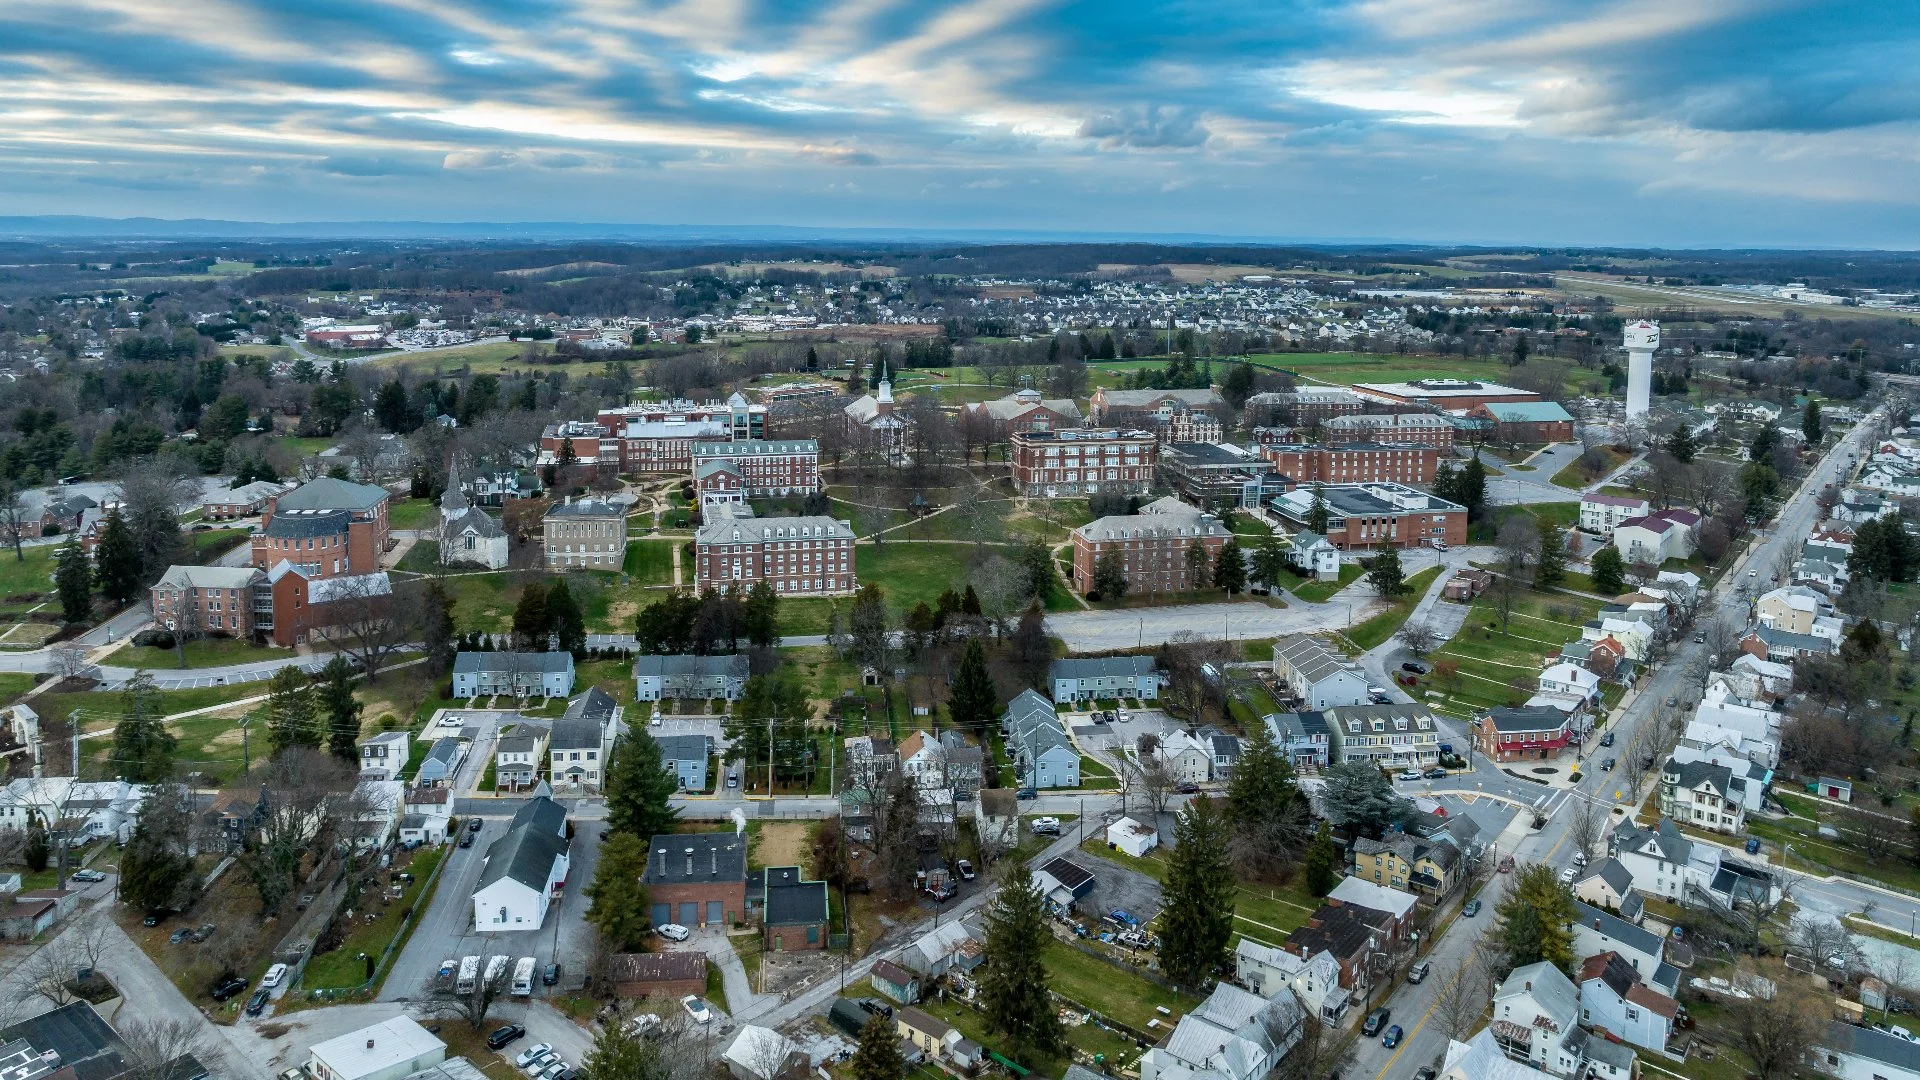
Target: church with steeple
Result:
[871, 416]
[468, 537]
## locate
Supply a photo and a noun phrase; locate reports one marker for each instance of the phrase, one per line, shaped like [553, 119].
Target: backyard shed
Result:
[1132, 837]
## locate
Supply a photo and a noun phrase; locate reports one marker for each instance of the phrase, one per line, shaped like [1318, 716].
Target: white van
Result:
[523, 977]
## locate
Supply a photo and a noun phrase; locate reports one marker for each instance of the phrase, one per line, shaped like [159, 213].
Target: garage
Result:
[689, 913]
[716, 912]
[662, 914]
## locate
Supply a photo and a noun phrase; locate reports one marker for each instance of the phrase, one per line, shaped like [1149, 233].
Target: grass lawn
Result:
[413, 514]
[1317, 591]
[1372, 633]
[1573, 477]
[13, 684]
[201, 652]
[342, 968]
[210, 744]
[907, 574]
[1108, 989]
[204, 547]
[650, 562]
[1262, 912]
[1489, 660]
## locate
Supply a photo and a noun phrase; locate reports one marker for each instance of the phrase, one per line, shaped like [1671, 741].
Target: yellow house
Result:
[922, 1030]
[1407, 862]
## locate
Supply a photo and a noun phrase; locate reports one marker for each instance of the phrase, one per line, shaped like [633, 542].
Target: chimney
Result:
[713, 861]
[369, 1044]
[689, 862]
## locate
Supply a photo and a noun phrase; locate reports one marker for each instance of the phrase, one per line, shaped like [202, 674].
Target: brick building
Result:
[303, 603]
[1158, 405]
[1535, 732]
[793, 911]
[741, 418]
[650, 437]
[210, 600]
[1154, 542]
[697, 879]
[589, 534]
[1355, 463]
[1376, 515]
[325, 527]
[1025, 410]
[1310, 404]
[752, 468]
[1452, 395]
[1216, 475]
[799, 556]
[1415, 428]
[1526, 421]
[1083, 461]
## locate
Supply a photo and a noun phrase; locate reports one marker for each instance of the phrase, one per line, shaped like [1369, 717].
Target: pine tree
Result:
[1680, 444]
[1320, 863]
[1268, 561]
[436, 628]
[117, 561]
[564, 620]
[1472, 491]
[1609, 571]
[1318, 514]
[1196, 924]
[1230, 569]
[1268, 815]
[1199, 567]
[1110, 574]
[290, 710]
[1810, 424]
[339, 709]
[620, 1054]
[155, 869]
[1532, 920]
[971, 703]
[142, 745]
[1385, 575]
[1013, 989]
[530, 625]
[878, 1057]
[617, 902]
[638, 786]
[73, 577]
[38, 852]
[762, 615]
[1550, 569]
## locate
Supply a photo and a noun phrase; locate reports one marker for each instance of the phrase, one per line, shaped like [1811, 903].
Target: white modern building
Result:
[388, 1050]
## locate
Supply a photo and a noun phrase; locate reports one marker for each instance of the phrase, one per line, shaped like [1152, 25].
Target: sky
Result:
[1680, 123]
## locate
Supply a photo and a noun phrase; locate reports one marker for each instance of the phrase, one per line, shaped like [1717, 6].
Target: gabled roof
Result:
[475, 663]
[1691, 775]
[1611, 871]
[595, 704]
[1870, 1045]
[677, 666]
[527, 852]
[327, 493]
[576, 734]
[209, 577]
[1633, 937]
[1311, 657]
[1096, 667]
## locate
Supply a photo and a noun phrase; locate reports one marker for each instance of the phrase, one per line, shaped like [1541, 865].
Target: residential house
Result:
[996, 819]
[1662, 861]
[667, 975]
[428, 811]
[947, 762]
[1615, 1000]
[1226, 751]
[1270, 972]
[895, 983]
[1303, 737]
[386, 753]
[1704, 795]
[512, 674]
[951, 946]
[1750, 761]
[1320, 677]
[1389, 736]
[1233, 1035]
[1104, 677]
[1794, 609]
[1785, 646]
[1043, 755]
[1608, 884]
[63, 515]
[1536, 1019]
[582, 742]
[1604, 513]
[1406, 862]
[89, 810]
[442, 761]
[1132, 837]
[1391, 911]
[1482, 1058]
[1595, 931]
[1348, 932]
[1533, 733]
[1186, 759]
[699, 678]
[1852, 1052]
[1571, 682]
[758, 1053]
[233, 501]
[1062, 882]
[1655, 538]
[697, 879]
[793, 911]
[1313, 555]
[524, 871]
[686, 757]
[517, 757]
[925, 1033]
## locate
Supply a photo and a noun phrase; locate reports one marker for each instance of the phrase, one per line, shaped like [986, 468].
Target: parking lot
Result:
[1117, 735]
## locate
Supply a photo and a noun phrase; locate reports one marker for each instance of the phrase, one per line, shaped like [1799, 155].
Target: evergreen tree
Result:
[1764, 440]
[1268, 561]
[1199, 567]
[1013, 989]
[1268, 815]
[1810, 424]
[1550, 569]
[1230, 569]
[1532, 921]
[339, 708]
[813, 359]
[530, 625]
[971, 702]
[564, 620]
[1321, 863]
[73, 578]
[867, 624]
[142, 745]
[392, 409]
[1036, 559]
[638, 786]
[436, 628]
[1237, 386]
[290, 710]
[617, 903]
[1472, 490]
[970, 602]
[620, 1054]
[116, 561]
[156, 870]
[1110, 574]
[1609, 571]
[878, 1057]
[1196, 923]
[38, 852]
[1317, 514]
[1385, 575]
[762, 615]
[1680, 444]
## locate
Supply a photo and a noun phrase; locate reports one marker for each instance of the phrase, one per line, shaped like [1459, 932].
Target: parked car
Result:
[1472, 909]
[551, 975]
[526, 1056]
[965, 867]
[258, 1002]
[1753, 845]
[292, 1074]
[876, 1007]
[1415, 666]
[1567, 875]
[1424, 1072]
[446, 968]
[274, 975]
[473, 824]
[179, 935]
[1436, 773]
[696, 1009]
[1606, 738]
[1410, 774]
[204, 931]
[1026, 793]
[503, 1035]
[1392, 1038]
[1188, 787]
[1375, 1020]
[1046, 826]
[671, 931]
[1419, 971]
[227, 987]
[538, 1063]
[154, 917]
[89, 875]
[1439, 545]
[466, 840]
[1672, 701]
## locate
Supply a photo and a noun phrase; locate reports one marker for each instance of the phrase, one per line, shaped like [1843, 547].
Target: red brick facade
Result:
[1525, 431]
[1414, 429]
[773, 468]
[1154, 545]
[1083, 460]
[1355, 464]
[799, 556]
[342, 541]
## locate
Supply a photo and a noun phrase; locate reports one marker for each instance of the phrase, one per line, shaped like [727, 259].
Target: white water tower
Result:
[1642, 338]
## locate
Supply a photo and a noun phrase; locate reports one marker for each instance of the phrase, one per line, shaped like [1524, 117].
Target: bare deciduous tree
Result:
[442, 999]
[1584, 825]
[155, 1043]
[70, 661]
[1465, 991]
[363, 620]
[1418, 636]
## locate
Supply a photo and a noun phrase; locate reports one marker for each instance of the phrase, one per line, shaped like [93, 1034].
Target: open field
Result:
[1633, 298]
[1263, 912]
[1491, 661]
[413, 514]
[1374, 632]
[488, 358]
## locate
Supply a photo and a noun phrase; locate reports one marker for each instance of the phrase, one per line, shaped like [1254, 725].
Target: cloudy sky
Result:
[1676, 122]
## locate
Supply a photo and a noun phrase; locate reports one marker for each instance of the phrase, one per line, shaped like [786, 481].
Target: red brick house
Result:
[1355, 463]
[1083, 461]
[326, 527]
[793, 911]
[1533, 733]
[1526, 421]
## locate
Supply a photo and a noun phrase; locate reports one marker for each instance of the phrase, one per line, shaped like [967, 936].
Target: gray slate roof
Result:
[300, 524]
[598, 508]
[1535, 718]
[663, 667]
[1611, 871]
[682, 748]
[1620, 930]
[595, 704]
[473, 663]
[576, 734]
[714, 857]
[1691, 774]
[527, 851]
[1099, 667]
[328, 493]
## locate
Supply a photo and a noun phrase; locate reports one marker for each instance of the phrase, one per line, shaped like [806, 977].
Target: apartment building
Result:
[1311, 404]
[755, 468]
[1413, 428]
[326, 527]
[1083, 461]
[798, 556]
[211, 600]
[652, 436]
[1354, 463]
[1154, 542]
[1604, 513]
[1377, 515]
[585, 534]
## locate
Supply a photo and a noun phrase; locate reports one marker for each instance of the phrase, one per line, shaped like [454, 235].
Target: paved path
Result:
[1126, 628]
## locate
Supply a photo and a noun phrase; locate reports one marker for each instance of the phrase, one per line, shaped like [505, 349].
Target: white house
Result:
[1536, 1019]
[1133, 837]
[996, 819]
[386, 754]
[1613, 998]
[1704, 795]
[1316, 674]
[428, 812]
[1480, 1058]
[515, 674]
[388, 1050]
[1607, 884]
[582, 741]
[1655, 538]
[1719, 711]
[1604, 513]
[94, 810]
[1752, 760]
[1314, 556]
[1571, 680]
[378, 808]
[758, 1053]
[525, 869]
[1104, 677]
[1861, 1053]
[1595, 931]
[1187, 759]
[1233, 1035]
[1663, 862]
[1315, 981]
